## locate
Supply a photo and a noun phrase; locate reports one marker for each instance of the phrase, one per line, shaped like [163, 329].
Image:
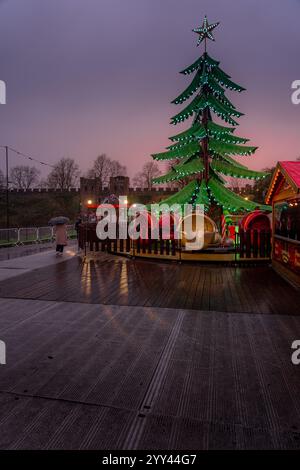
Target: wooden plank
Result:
[111, 279]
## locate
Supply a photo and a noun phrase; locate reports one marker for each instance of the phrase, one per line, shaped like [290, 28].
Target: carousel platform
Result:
[215, 254]
[251, 246]
[171, 250]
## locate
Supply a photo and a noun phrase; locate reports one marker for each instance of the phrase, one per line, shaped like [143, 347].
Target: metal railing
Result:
[27, 235]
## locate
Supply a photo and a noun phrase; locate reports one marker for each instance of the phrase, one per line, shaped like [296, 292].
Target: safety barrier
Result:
[9, 236]
[71, 231]
[45, 233]
[27, 235]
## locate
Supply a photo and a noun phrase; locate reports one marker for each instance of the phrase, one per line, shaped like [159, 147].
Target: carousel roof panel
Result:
[292, 169]
[285, 171]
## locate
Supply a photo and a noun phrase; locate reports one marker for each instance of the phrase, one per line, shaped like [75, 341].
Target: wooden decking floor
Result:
[215, 372]
[114, 280]
[87, 376]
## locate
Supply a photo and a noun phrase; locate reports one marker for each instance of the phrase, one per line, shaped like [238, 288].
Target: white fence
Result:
[24, 235]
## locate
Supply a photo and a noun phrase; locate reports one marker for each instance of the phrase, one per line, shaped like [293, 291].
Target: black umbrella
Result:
[58, 220]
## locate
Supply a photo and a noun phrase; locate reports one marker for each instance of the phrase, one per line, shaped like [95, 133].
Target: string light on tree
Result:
[206, 148]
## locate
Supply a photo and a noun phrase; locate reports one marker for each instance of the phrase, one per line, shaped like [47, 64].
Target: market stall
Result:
[284, 195]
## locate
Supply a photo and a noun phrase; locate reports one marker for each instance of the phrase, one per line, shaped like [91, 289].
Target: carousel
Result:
[200, 160]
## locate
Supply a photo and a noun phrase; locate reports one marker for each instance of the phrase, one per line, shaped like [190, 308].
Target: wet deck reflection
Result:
[120, 281]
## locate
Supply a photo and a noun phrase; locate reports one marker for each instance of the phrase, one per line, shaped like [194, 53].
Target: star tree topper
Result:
[205, 31]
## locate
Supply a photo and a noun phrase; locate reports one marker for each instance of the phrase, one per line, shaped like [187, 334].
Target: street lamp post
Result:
[7, 188]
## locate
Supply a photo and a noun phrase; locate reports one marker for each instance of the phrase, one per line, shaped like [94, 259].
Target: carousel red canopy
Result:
[293, 170]
[285, 172]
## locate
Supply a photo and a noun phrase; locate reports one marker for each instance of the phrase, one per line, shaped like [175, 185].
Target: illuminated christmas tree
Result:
[206, 149]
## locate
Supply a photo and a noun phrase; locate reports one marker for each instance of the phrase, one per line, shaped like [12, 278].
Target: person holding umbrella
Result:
[60, 231]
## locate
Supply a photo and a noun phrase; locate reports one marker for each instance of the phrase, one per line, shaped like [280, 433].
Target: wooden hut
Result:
[284, 195]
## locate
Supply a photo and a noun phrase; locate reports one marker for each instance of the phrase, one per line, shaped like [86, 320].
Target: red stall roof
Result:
[284, 172]
[293, 170]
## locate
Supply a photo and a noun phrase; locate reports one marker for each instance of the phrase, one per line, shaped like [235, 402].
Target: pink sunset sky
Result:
[86, 77]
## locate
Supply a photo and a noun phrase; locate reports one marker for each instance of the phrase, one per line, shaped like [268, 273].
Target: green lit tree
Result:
[205, 150]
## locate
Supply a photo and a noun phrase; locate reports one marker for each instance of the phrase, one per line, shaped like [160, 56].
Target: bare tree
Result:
[24, 177]
[100, 169]
[144, 178]
[116, 169]
[103, 168]
[261, 186]
[43, 183]
[64, 175]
